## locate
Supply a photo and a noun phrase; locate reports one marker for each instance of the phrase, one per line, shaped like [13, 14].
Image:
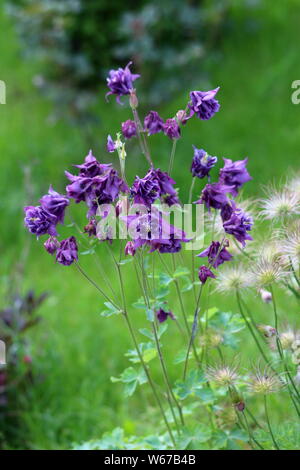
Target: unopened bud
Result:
[266, 296]
[133, 101]
[267, 330]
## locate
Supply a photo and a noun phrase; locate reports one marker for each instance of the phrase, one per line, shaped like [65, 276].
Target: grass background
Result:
[75, 351]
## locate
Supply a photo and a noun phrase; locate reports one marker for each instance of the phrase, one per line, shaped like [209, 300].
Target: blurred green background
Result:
[54, 65]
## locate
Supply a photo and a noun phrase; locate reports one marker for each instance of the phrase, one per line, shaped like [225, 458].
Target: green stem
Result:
[269, 424]
[193, 334]
[172, 156]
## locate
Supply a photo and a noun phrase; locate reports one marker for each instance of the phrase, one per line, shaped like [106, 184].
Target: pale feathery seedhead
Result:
[264, 273]
[265, 381]
[294, 184]
[222, 375]
[290, 246]
[289, 339]
[280, 205]
[233, 278]
[211, 339]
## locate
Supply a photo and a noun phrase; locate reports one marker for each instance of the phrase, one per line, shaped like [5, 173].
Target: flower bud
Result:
[267, 330]
[266, 296]
[133, 101]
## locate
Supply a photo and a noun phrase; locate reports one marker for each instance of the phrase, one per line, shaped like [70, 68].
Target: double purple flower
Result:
[238, 224]
[204, 104]
[156, 184]
[96, 184]
[162, 315]
[214, 195]
[172, 129]
[67, 252]
[234, 174]
[215, 255]
[202, 163]
[129, 129]
[120, 82]
[153, 123]
[204, 273]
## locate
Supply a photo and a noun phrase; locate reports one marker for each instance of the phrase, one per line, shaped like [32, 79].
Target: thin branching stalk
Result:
[269, 423]
[194, 331]
[172, 156]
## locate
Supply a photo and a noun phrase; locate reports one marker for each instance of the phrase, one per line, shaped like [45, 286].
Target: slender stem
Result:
[269, 424]
[170, 393]
[96, 286]
[194, 331]
[171, 163]
[139, 352]
[191, 189]
[250, 327]
[251, 437]
[141, 137]
[279, 345]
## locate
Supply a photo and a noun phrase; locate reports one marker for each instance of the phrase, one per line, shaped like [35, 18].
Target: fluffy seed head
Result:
[265, 381]
[266, 272]
[223, 375]
[233, 278]
[280, 205]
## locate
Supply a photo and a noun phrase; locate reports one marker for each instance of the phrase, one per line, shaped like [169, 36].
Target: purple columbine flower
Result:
[204, 272]
[202, 163]
[103, 187]
[238, 225]
[67, 252]
[151, 229]
[153, 123]
[171, 129]
[214, 195]
[234, 174]
[40, 222]
[204, 104]
[51, 245]
[162, 315]
[129, 129]
[110, 145]
[55, 204]
[215, 255]
[156, 184]
[121, 81]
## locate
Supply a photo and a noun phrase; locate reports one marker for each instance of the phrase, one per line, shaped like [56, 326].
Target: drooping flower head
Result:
[215, 254]
[234, 174]
[214, 195]
[204, 272]
[162, 315]
[39, 222]
[156, 184]
[171, 129]
[204, 104]
[153, 230]
[130, 249]
[67, 252]
[51, 245]
[202, 163]
[153, 123]
[121, 81]
[96, 184]
[238, 224]
[55, 204]
[129, 129]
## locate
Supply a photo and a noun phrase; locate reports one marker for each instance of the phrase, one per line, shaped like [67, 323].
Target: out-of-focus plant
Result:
[16, 375]
[78, 41]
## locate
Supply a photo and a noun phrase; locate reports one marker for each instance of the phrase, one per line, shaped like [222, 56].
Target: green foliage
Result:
[131, 378]
[116, 440]
[287, 436]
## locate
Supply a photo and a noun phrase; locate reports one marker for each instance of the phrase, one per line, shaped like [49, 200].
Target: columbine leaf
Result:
[181, 271]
